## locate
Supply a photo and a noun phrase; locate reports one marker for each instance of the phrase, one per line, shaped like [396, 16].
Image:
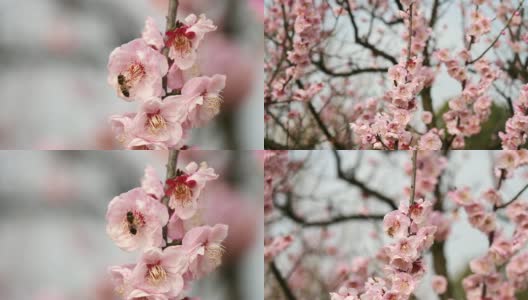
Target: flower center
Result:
[182, 193]
[392, 230]
[180, 39]
[155, 122]
[214, 253]
[182, 44]
[212, 103]
[156, 274]
[130, 77]
[133, 222]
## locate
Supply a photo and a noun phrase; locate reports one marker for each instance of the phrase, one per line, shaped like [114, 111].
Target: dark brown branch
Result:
[325, 69]
[351, 178]
[512, 199]
[289, 212]
[323, 127]
[270, 144]
[336, 220]
[360, 41]
[282, 282]
[498, 35]
[438, 248]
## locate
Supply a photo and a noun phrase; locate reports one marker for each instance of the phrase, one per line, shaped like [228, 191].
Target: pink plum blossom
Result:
[185, 39]
[152, 184]
[439, 284]
[152, 35]
[183, 190]
[120, 276]
[396, 224]
[159, 273]
[204, 245]
[201, 97]
[136, 71]
[135, 220]
[158, 123]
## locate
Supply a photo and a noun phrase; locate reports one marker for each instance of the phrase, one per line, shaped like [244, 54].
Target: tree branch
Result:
[282, 282]
[366, 44]
[413, 182]
[513, 199]
[290, 213]
[325, 69]
[172, 163]
[323, 127]
[350, 178]
[498, 35]
[171, 24]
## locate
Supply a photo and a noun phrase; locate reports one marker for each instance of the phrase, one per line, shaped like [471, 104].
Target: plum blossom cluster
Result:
[516, 130]
[414, 227]
[403, 261]
[505, 251]
[389, 129]
[362, 93]
[298, 46]
[473, 106]
[275, 167]
[163, 223]
[160, 72]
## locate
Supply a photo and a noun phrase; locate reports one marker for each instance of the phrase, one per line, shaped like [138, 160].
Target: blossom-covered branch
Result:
[160, 71]
[372, 75]
[163, 222]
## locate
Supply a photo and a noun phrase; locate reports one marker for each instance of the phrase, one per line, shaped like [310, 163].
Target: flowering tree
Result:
[163, 222]
[391, 243]
[159, 71]
[365, 74]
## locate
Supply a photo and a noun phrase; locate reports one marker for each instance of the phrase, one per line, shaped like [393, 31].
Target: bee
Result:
[121, 80]
[131, 226]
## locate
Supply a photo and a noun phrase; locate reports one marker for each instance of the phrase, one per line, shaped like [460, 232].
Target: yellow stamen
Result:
[214, 253]
[182, 194]
[156, 123]
[156, 274]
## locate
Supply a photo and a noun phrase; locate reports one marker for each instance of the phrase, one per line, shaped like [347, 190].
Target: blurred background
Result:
[53, 57]
[320, 256]
[53, 229]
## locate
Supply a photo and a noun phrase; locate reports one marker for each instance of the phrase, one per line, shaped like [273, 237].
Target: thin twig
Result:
[171, 24]
[410, 33]
[498, 36]
[172, 164]
[513, 199]
[413, 182]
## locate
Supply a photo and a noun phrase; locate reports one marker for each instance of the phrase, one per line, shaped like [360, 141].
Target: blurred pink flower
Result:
[204, 245]
[222, 55]
[152, 184]
[152, 35]
[258, 7]
[201, 97]
[226, 205]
